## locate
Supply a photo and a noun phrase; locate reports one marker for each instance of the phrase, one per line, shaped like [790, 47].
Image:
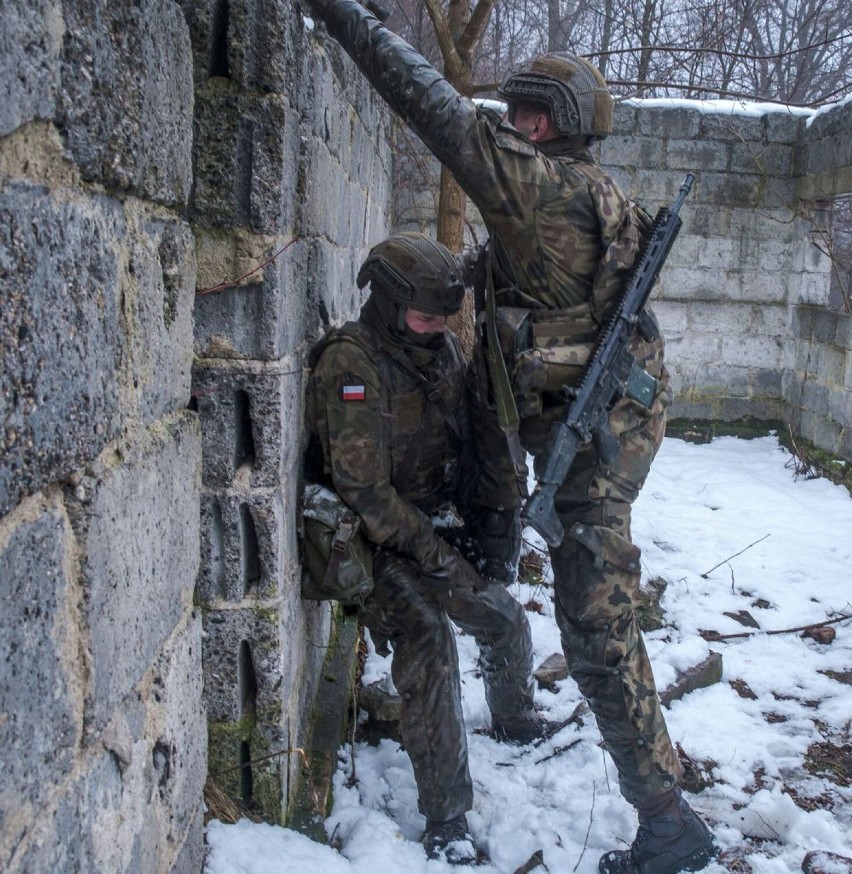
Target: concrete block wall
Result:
[290, 158]
[748, 278]
[101, 761]
[729, 283]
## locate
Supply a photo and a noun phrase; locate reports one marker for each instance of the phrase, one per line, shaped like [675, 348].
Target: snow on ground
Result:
[730, 528]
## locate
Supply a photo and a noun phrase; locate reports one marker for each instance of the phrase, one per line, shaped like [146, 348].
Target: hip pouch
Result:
[558, 348]
[337, 560]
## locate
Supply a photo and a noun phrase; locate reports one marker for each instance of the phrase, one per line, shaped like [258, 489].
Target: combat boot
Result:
[525, 729]
[450, 840]
[671, 838]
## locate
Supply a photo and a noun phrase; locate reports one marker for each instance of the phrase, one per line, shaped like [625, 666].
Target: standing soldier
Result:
[389, 432]
[563, 239]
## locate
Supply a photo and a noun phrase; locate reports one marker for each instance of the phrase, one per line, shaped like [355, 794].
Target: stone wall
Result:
[290, 165]
[102, 761]
[148, 150]
[749, 277]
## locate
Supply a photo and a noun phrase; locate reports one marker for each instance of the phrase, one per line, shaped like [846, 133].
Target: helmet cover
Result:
[416, 272]
[571, 87]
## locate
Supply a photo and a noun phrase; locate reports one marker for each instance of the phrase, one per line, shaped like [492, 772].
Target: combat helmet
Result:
[571, 87]
[415, 272]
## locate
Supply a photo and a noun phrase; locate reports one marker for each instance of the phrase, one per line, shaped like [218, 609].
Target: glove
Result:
[446, 566]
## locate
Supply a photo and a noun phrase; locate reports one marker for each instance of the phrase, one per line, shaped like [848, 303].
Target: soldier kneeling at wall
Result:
[389, 433]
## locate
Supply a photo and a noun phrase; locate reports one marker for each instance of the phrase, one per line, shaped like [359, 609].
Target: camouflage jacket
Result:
[567, 231]
[388, 435]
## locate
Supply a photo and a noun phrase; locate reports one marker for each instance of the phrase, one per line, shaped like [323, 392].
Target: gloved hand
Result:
[446, 566]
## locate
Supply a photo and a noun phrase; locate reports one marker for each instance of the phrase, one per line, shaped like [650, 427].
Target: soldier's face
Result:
[424, 323]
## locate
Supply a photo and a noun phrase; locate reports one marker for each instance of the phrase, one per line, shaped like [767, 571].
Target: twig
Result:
[586, 839]
[230, 283]
[265, 758]
[714, 635]
[558, 751]
[707, 573]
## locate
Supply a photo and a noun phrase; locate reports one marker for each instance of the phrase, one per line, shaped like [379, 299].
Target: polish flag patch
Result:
[355, 392]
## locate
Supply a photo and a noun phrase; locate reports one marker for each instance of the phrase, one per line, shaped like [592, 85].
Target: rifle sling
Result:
[504, 400]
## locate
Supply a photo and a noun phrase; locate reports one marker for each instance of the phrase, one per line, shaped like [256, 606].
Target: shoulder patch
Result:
[353, 391]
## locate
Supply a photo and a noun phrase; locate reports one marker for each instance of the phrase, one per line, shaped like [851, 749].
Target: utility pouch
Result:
[337, 560]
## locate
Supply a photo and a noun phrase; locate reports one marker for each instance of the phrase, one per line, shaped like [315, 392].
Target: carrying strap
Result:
[342, 535]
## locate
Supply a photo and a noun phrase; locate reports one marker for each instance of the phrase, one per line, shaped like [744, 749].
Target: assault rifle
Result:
[610, 374]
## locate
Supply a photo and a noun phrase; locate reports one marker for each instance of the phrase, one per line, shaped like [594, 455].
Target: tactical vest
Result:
[427, 414]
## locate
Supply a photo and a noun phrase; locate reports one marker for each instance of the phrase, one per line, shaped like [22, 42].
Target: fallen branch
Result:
[591, 816]
[558, 751]
[707, 573]
[714, 635]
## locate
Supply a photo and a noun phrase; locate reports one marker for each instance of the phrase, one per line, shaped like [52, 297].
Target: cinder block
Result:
[840, 405]
[251, 421]
[673, 316]
[694, 348]
[690, 284]
[624, 118]
[772, 159]
[248, 546]
[678, 122]
[263, 320]
[246, 656]
[743, 190]
[758, 352]
[697, 156]
[135, 516]
[814, 397]
[176, 751]
[29, 63]
[730, 127]
[768, 384]
[763, 286]
[40, 730]
[247, 172]
[843, 331]
[784, 127]
[123, 136]
[158, 294]
[632, 151]
[60, 318]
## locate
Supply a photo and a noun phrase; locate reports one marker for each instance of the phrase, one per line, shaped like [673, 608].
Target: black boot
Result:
[450, 840]
[525, 729]
[671, 838]
[498, 538]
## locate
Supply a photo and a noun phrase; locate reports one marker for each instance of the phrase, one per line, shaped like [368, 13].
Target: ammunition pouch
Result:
[544, 351]
[337, 560]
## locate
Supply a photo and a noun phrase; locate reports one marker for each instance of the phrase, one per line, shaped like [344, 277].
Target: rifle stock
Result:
[610, 373]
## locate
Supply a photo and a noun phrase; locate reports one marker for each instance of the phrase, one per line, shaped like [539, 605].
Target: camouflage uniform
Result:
[565, 237]
[396, 454]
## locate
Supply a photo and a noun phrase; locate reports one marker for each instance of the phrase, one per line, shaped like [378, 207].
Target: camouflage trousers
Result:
[596, 573]
[408, 611]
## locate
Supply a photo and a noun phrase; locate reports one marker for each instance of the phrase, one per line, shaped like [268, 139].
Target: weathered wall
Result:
[748, 279]
[149, 149]
[101, 760]
[288, 156]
